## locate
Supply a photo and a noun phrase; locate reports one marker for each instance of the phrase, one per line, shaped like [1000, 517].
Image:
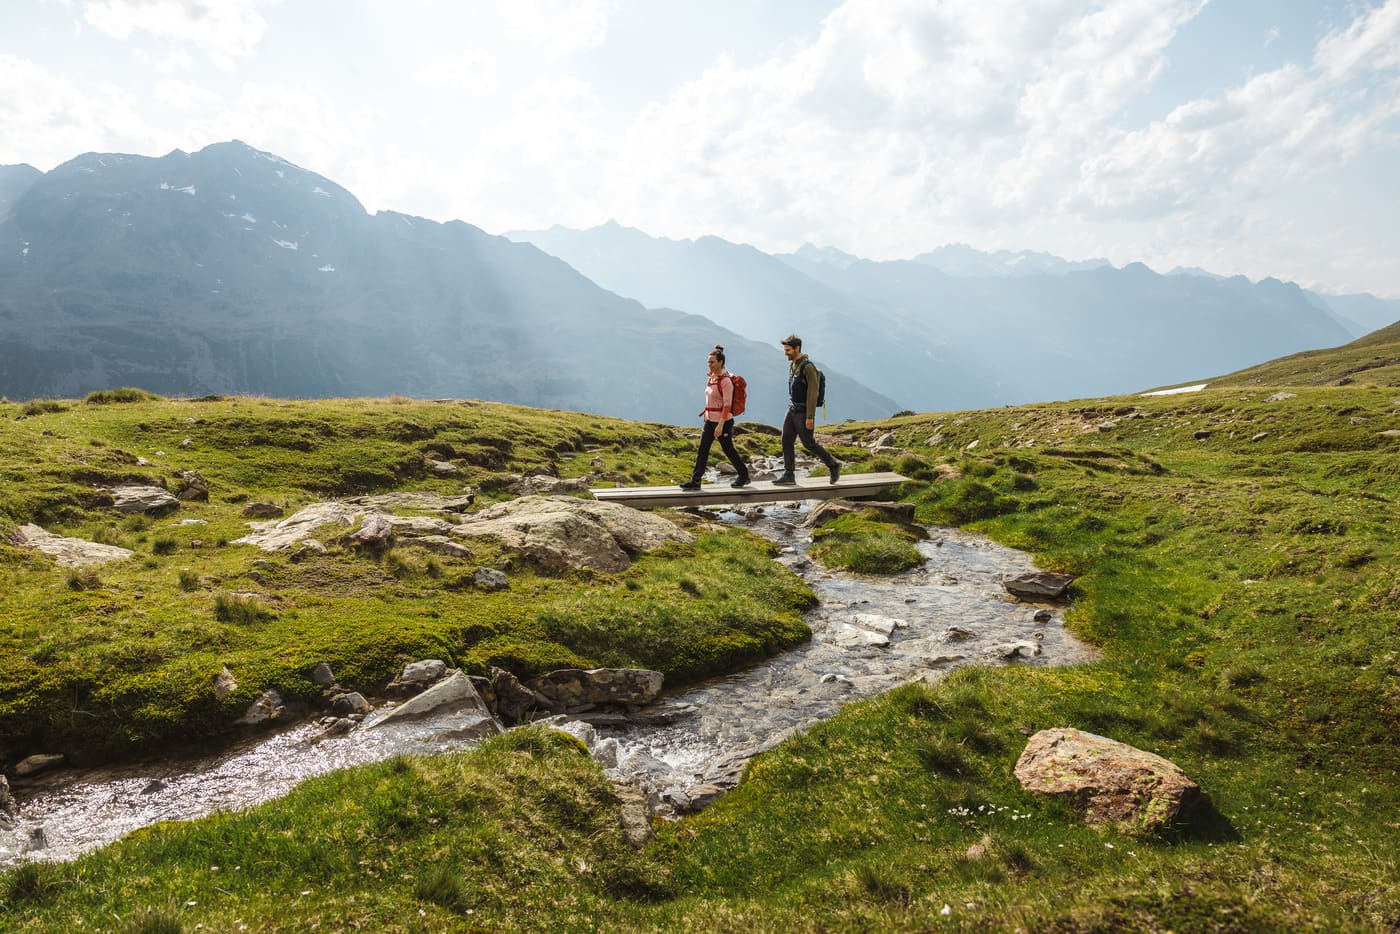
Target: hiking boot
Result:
[740, 482]
[786, 479]
[835, 471]
[690, 486]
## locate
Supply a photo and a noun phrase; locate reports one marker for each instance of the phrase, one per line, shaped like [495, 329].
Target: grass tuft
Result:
[164, 920]
[238, 609]
[942, 755]
[123, 394]
[83, 579]
[42, 407]
[445, 887]
[881, 884]
[31, 883]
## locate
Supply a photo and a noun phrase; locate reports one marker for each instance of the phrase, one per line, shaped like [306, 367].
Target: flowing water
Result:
[869, 634]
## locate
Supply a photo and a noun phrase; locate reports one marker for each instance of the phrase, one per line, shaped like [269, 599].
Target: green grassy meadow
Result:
[1235, 559]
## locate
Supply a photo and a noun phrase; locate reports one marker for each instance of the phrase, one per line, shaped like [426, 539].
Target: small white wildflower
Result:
[1109, 845]
[946, 910]
[191, 903]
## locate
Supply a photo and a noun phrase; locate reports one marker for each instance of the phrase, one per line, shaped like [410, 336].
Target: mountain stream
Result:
[869, 634]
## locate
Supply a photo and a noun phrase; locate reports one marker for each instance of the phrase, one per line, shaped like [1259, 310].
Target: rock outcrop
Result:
[69, 552]
[557, 533]
[276, 535]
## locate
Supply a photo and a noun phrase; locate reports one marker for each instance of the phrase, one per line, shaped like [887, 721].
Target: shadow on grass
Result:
[1203, 824]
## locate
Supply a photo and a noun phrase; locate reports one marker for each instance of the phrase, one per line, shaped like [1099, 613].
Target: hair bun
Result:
[719, 348]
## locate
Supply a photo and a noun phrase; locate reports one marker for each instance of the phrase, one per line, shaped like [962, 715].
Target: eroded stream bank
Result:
[869, 634]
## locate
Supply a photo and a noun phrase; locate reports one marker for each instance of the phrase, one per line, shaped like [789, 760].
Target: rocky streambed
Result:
[869, 634]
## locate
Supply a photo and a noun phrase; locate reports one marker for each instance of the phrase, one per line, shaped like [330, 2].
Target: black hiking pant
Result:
[794, 427]
[726, 443]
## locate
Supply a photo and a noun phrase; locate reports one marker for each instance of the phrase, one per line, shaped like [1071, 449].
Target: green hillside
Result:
[1236, 564]
[1372, 360]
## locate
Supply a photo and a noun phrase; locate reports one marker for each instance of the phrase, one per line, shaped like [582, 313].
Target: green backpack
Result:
[821, 384]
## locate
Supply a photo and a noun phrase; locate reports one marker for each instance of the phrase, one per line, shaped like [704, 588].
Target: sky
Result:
[1254, 137]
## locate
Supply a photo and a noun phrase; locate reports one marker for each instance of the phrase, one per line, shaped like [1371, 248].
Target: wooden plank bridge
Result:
[849, 486]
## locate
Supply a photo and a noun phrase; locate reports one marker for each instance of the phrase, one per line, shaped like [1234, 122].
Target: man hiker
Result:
[801, 417]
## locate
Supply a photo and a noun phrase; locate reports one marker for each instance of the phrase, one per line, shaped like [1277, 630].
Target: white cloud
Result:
[901, 120]
[182, 95]
[298, 124]
[46, 119]
[1372, 42]
[1001, 123]
[1276, 128]
[557, 26]
[472, 72]
[224, 29]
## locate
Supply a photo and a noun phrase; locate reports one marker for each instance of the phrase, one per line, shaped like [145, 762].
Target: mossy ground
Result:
[868, 543]
[117, 659]
[1246, 598]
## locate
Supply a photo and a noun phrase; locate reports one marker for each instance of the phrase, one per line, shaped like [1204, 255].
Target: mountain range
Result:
[231, 270]
[958, 328]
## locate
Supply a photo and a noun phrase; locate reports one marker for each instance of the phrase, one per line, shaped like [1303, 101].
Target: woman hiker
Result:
[718, 415]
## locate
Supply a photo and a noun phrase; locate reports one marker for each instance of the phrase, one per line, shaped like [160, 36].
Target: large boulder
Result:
[560, 532]
[574, 687]
[1110, 782]
[192, 487]
[35, 764]
[514, 701]
[453, 695]
[834, 508]
[1038, 585]
[69, 552]
[143, 499]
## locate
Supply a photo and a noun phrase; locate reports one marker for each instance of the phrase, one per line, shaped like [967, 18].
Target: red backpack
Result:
[741, 394]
